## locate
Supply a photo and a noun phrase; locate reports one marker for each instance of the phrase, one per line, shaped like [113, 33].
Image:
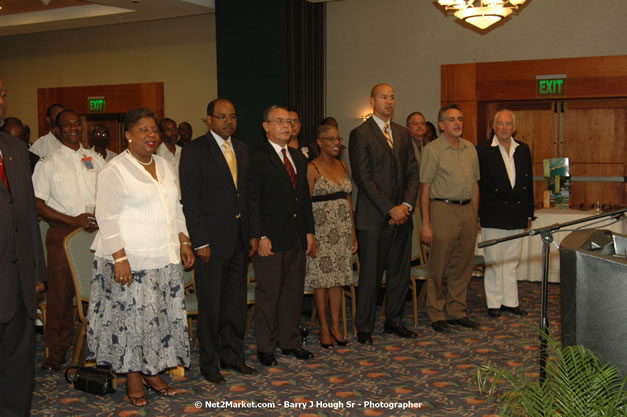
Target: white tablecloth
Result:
[530, 268]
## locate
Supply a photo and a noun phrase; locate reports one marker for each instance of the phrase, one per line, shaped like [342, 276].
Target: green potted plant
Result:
[577, 384]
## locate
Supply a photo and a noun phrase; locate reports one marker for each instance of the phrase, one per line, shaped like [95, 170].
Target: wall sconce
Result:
[366, 116]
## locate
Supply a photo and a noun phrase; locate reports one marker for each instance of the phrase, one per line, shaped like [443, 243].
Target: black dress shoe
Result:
[299, 353]
[440, 326]
[364, 338]
[50, 365]
[213, 377]
[494, 312]
[242, 368]
[514, 310]
[399, 330]
[266, 358]
[464, 322]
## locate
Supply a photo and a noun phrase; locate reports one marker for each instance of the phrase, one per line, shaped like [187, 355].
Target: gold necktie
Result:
[386, 133]
[230, 161]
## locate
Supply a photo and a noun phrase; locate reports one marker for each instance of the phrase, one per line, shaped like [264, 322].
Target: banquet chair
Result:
[81, 259]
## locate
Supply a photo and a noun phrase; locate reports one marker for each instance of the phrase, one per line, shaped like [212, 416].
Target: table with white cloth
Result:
[531, 266]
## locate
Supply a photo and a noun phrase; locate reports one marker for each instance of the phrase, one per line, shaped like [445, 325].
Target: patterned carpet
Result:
[435, 374]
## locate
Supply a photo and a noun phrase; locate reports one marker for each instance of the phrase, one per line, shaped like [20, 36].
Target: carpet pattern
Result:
[433, 375]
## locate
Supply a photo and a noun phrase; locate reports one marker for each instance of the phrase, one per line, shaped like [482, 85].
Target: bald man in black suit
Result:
[386, 173]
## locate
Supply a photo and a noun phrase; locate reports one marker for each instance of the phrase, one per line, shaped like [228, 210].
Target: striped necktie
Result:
[386, 133]
[289, 167]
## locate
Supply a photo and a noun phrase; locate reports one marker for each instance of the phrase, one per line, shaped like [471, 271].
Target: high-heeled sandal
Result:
[141, 401]
[339, 342]
[326, 346]
[166, 391]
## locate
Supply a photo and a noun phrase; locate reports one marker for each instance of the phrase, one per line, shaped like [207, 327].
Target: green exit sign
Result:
[96, 104]
[551, 85]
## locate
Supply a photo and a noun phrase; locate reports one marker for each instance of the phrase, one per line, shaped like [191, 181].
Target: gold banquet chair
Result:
[81, 259]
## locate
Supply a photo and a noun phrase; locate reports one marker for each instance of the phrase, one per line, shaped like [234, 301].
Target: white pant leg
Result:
[501, 287]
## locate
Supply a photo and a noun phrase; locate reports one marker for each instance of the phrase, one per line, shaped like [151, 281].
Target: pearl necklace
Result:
[143, 163]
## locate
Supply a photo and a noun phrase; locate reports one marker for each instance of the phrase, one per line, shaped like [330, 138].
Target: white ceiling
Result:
[29, 16]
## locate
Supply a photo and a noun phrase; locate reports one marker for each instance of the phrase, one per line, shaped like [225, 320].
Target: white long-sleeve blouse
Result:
[138, 213]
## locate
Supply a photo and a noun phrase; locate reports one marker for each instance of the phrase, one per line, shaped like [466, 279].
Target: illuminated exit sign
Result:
[96, 104]
[551, 85]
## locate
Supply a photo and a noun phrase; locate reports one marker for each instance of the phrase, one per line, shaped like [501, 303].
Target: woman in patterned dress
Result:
[330, 187]
[137, 318]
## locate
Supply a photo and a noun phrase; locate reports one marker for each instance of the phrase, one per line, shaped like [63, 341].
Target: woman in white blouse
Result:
[137, 318]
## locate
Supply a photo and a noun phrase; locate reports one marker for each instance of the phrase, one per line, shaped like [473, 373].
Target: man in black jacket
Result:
[286, 237]
[220, 214]
[21, 266]
[506, 208]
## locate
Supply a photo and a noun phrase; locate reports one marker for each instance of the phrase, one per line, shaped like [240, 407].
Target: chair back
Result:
[188, 278]
[43, 230]
[418, 251]
[81, 259]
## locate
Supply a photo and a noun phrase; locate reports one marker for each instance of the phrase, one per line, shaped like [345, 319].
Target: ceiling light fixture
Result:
[485, 14]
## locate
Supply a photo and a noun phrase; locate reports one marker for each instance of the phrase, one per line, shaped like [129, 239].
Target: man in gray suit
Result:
[21, 265]
[385, 170]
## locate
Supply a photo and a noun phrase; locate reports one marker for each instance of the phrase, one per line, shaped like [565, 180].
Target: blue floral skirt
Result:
[141, 328]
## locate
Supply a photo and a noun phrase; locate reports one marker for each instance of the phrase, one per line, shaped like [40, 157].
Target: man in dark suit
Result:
[506, 208]
[21, 265]
[386, 173]
[219, 209]
[286, 237]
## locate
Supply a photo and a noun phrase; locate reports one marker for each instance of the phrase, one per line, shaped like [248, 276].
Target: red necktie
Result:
[3, 174]
[289, 167]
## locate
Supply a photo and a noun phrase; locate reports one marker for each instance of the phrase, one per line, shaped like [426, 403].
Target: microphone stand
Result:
[546, 234]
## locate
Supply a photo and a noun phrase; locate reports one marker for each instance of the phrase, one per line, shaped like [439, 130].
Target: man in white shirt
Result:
[65, 195]
[506, 208]
[48, 143]
[99, 139]
[168, 148]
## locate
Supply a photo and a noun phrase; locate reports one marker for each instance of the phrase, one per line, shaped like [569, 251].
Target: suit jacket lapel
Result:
[278, 163]
[500, 167]
[239, 159]
[7, 156]
[216, 154]
[378, 134]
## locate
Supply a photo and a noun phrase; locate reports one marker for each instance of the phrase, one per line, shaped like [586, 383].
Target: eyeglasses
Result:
[332, 138]
[224, 117]
[282, 121]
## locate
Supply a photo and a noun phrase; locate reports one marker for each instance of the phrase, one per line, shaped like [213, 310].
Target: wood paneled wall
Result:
[120, 98]
[594, 115]
[470, 84]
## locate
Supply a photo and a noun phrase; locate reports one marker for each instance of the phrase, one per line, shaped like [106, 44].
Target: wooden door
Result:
[115, 124]
[594, 140]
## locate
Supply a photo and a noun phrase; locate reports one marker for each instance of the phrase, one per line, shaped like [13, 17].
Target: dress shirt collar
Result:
[446, 144]
[381, 123]
[219, 139]
[278, 149]
[512, 144]
[70, 151]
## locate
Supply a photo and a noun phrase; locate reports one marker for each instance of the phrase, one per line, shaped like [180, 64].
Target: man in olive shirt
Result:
[449, 199]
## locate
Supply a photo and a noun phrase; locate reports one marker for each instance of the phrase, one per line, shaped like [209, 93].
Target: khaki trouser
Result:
[452, 253]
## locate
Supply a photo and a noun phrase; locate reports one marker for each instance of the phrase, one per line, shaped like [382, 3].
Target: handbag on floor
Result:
[93, 380]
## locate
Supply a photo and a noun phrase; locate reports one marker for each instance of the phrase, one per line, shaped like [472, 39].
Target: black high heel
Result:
[326, 346]
[339, 342]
